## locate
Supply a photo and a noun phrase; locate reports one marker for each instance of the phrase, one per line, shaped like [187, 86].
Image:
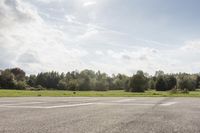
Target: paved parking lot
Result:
[99, 115]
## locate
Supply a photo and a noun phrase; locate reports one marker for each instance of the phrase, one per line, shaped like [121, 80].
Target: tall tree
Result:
[18, 73]
[7, 80]
[138, 83]
[161, 84]
[171, 82]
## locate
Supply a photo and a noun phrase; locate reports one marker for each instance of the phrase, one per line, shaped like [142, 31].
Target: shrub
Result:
[62, 85]
[138, 82]
[161, 85]
[20, 85]
[186, 82]
[101, 86]
[39, 87]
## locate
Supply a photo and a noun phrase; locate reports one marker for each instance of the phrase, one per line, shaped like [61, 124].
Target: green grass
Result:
[117, 93]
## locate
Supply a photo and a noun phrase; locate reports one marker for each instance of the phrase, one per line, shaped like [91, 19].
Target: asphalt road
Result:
[99, 115]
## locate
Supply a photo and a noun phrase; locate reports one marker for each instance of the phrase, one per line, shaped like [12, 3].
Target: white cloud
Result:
[192, 45]
[27, 41]
[98, 52]
[89, 3]
[70, 18]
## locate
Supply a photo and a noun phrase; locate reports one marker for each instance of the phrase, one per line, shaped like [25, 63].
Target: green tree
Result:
[198, 81]
[101, 82]
[73, 85]
[138, 83]
[18, 73]
[48, 79]
[171, 82]
[161, 84]
[31, 81]
[20, 85]
[7, 80]
[187, 82]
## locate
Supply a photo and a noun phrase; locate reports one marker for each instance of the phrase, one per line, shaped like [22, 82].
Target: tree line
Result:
[88, 80]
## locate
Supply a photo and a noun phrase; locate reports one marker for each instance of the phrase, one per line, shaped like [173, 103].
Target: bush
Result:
[20, 85]
[171, 82]
[62, 85]
[7, 80]
[186, 82]
[100, 86]
[161, 84]
[138, 82]
[72, 85]
[39, 87]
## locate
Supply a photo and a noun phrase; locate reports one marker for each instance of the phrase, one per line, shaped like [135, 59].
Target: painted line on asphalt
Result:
[168, 103]
[137, 104]
[124, 100]
[69, 105]
[127, 104]
[48, 107]
[82, 104]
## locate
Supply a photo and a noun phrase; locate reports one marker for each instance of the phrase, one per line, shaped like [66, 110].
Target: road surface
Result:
[99, 115]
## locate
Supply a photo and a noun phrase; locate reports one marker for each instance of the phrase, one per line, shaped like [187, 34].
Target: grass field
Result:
[117, 93]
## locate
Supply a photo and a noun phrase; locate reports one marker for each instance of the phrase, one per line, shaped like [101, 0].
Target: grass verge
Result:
[117, 93]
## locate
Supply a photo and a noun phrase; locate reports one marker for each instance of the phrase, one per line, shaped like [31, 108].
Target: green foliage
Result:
[161, 84]
[13, 79]
[159, 73]
[48, 79]
[31, 81]
[39, 87]
[152, 83]
[62, 85]
[101, 83]
[171, 82]
[120, 82]
[73, 85]
[88, 80]
[187, 82]
[18, 73]
[21, 85]
[7, 79]
[198, 81]
[138, 82]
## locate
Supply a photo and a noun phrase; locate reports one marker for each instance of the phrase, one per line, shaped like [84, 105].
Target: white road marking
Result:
[129, 104]
[168, 103]
[124, 100]
[69, 105]
[48, 107]
[137, 104]
[119, 102]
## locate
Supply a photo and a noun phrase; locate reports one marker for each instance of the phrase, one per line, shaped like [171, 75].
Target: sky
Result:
[113, 36]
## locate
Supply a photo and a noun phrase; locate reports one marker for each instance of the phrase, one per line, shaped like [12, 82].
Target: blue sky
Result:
[114, 36]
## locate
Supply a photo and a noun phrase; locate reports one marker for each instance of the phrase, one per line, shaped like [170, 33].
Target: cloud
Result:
[28, 58]
[89, 3]
[191, 45]
[98, 52]
[70, 18]
[27, 41]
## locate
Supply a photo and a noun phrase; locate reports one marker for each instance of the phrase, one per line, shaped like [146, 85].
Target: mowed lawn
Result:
[117, 93]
